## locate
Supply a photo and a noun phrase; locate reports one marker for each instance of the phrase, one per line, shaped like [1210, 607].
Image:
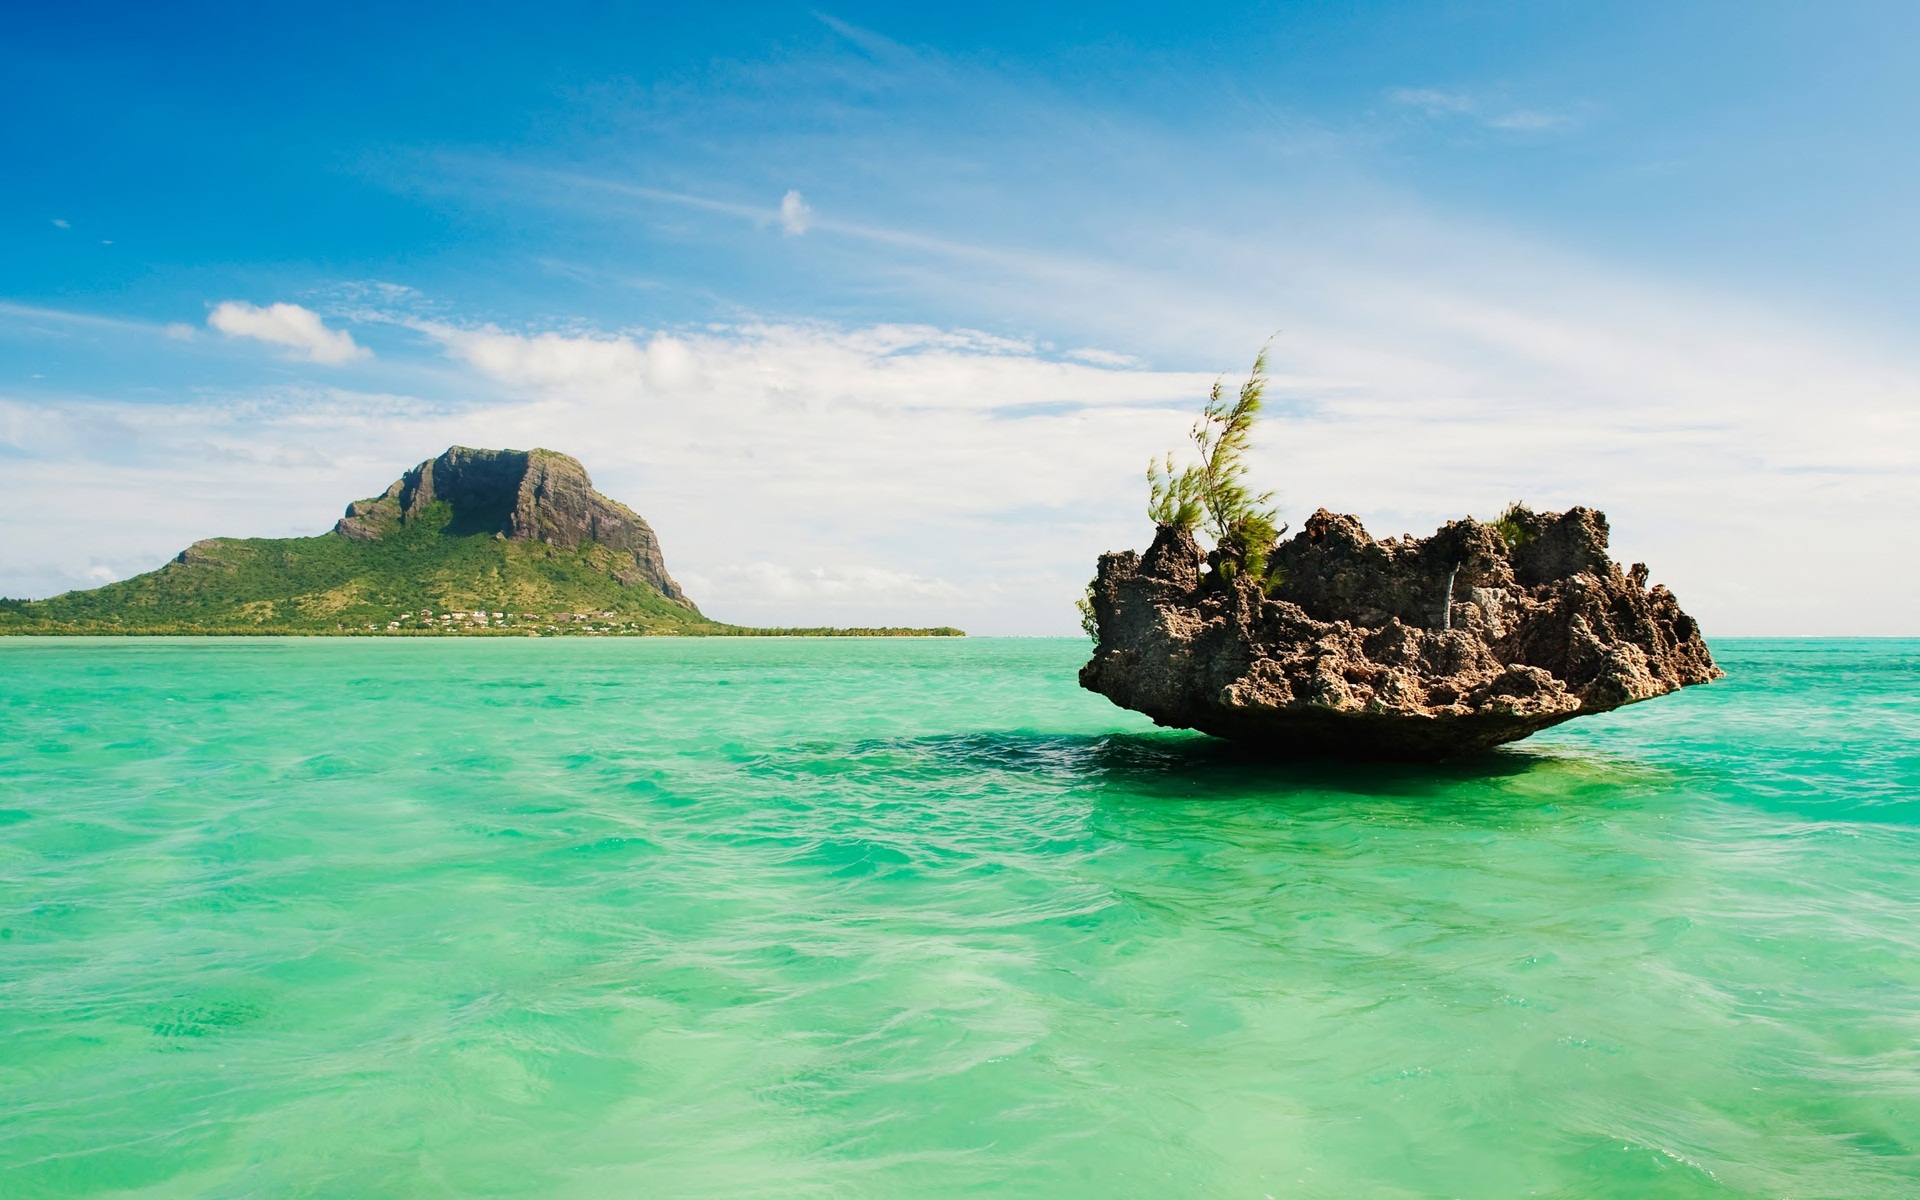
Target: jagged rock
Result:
[1359, 651]
[521, 495]
[201, 554]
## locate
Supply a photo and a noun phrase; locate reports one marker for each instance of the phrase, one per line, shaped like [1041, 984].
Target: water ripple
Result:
[883, 918]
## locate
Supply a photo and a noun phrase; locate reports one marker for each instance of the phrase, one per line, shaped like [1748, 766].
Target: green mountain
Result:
[474, 542]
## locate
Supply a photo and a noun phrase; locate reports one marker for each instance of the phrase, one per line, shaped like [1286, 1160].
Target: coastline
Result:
[740, 631]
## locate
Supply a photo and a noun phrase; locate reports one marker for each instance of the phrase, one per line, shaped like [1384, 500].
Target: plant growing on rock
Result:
[1516, 524]
[1244, 524]
[1089, 620]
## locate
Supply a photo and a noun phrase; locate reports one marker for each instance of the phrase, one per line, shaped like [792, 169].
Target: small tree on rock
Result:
[1244, 524]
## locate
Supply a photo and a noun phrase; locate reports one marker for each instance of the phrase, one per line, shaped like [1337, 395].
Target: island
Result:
[1411, 648]
[474, 542]
[1331, 643]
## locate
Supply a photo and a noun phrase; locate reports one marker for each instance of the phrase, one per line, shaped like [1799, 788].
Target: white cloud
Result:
[299, 329]
[795, 214]
[582, 364]
[764, 585]
[62, 223]
[1104, 358]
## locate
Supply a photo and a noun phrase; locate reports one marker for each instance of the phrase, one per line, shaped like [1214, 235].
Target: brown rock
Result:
[1357, 651]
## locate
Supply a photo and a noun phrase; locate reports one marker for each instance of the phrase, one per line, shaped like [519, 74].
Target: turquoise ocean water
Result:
[709, 918]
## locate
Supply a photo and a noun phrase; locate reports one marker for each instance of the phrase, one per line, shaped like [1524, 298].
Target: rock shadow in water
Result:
[1173, 768]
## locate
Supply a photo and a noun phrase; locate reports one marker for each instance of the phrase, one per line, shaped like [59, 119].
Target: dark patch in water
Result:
[206, 1020]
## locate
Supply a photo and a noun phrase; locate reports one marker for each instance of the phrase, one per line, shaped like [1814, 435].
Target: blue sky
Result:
[876, 312]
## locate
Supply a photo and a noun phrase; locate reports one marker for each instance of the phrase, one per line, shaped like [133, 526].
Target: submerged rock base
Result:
[1403, 649]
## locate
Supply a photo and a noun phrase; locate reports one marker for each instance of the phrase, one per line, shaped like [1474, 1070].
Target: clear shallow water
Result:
[829, 918]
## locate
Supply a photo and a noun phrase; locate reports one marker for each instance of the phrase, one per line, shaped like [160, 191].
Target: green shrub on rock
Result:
[1214, 491]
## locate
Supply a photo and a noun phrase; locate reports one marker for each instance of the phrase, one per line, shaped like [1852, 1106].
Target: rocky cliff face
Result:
[1408, 648]
[523, 495]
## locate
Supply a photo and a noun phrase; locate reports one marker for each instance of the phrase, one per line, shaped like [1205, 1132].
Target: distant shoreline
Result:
[939, 631]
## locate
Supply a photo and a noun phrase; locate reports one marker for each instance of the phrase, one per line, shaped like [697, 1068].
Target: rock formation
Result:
[521, 495]
[1403, 649]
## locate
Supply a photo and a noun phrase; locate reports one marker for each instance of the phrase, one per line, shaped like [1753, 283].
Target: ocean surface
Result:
[901, 918]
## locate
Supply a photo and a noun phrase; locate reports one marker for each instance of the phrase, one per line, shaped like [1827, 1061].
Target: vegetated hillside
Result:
[474, 542]
[331, 583]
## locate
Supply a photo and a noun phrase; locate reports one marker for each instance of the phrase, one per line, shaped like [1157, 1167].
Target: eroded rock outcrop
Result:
[1408, 648]
[523, 495]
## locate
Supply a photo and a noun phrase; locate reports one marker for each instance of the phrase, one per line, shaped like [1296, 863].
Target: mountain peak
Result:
[518, 495]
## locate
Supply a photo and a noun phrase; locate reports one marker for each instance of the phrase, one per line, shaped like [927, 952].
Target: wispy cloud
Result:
[42, 317]
[565, 188]
[299, 329]
[1480, 109]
